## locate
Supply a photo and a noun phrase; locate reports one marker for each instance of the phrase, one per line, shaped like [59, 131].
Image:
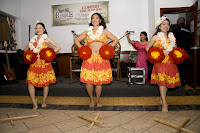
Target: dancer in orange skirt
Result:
[40, 73]
[95, 70]
[164, 73]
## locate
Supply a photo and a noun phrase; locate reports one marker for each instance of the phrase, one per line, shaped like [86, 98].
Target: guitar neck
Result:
[8, 63]
[82, 42]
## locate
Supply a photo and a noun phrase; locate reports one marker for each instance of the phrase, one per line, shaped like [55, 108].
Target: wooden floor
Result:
[108, 101]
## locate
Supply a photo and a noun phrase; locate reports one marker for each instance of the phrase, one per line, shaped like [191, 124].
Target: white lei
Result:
[98, 32]
[39, 46]
[167, 47]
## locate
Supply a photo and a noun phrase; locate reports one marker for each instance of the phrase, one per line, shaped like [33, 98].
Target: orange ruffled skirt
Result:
[40, 74]
[96, 71]
[165, 74]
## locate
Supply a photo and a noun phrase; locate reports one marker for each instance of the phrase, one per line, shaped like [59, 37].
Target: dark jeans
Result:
[182, 72]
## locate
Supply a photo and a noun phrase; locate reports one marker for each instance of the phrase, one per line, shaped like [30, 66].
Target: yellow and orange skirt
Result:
[40, 74]
[166, 74]
[96, 71]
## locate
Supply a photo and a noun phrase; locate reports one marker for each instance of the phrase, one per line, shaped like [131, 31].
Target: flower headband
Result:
[37, 22]
[90, 15]
[160, 20]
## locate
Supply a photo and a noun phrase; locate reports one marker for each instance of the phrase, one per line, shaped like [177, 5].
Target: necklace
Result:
[40, 42]
[167, 47]
[98, 32]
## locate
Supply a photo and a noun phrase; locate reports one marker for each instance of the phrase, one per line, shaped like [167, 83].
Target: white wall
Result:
[124, 15]
[11, 7]
[151, 16]
[136, 15]
[128, 15]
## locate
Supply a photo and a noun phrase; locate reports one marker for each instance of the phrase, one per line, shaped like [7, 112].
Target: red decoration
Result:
[107, 52]
[84, 52]
[29, 57]
[48, 54]
[178, 55]
[155, 55]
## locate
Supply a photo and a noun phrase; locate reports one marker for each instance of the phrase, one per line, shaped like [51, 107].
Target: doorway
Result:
[190, 15]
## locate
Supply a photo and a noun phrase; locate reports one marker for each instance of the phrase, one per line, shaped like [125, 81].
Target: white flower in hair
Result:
[90, 15]
[38, 21]
[160, 20]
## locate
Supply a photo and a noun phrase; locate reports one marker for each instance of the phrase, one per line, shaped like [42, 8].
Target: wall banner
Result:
[77, 14]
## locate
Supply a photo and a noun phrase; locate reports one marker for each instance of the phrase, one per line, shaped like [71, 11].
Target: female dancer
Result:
[164, 73]
[140, 46]
[95, 70]
[40, 73]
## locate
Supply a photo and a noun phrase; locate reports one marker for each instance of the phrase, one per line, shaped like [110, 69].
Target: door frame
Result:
[194, 8]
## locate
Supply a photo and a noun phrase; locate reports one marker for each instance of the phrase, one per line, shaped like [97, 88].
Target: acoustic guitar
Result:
[74, 48]
[9, 73]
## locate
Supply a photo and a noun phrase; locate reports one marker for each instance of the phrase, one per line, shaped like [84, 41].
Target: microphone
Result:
[72, 31]
[131, 31]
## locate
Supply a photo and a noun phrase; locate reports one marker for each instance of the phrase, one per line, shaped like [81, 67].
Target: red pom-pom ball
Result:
[84, 52]
[107, 52]
[155, 55]
[29, 57]
[178, 55]
[48, 54]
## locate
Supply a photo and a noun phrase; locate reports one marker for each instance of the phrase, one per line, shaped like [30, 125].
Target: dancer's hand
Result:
[38, 55]
[165, 52]
[127, 33]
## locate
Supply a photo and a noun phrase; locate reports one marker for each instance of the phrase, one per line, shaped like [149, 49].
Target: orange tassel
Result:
[29, 57]
[48, 54]
[155, 55]
[178, 55]
[107, 52]
[84, 52]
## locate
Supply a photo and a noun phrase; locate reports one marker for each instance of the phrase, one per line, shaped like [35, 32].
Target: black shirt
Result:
[183, 36]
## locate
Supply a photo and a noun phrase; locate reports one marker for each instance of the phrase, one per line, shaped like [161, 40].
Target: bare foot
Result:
[99, 104]
[91, 103]
[35, 107]
[161, 101]
[44, 105]
[164, 108]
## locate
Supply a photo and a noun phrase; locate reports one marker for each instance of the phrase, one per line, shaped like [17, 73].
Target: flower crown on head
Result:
[90, 15]
[38, 21]
[160, 20]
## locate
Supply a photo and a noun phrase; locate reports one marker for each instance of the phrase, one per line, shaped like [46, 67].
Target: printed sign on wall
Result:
[77, 14]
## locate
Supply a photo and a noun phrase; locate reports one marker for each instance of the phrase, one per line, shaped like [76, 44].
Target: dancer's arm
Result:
[50, 41]
[26, 48]
[152, 41]
[129, 40]
[112, 37]
[81, 37]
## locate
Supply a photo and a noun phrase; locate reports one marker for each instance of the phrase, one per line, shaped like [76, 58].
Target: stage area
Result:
[66, 87]
[117, 96]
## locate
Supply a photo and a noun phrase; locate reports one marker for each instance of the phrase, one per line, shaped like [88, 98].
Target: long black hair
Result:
[102, 20]
[159, 30]
[45, 32]
[144, 33]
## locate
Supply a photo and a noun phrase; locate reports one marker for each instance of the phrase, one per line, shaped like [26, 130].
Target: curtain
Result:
[11, 24]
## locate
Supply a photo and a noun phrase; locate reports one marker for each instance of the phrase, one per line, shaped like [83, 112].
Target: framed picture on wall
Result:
[77, 14]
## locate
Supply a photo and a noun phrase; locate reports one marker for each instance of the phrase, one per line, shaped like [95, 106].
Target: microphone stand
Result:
[119, 55]
[29, 31]
[119, 39]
